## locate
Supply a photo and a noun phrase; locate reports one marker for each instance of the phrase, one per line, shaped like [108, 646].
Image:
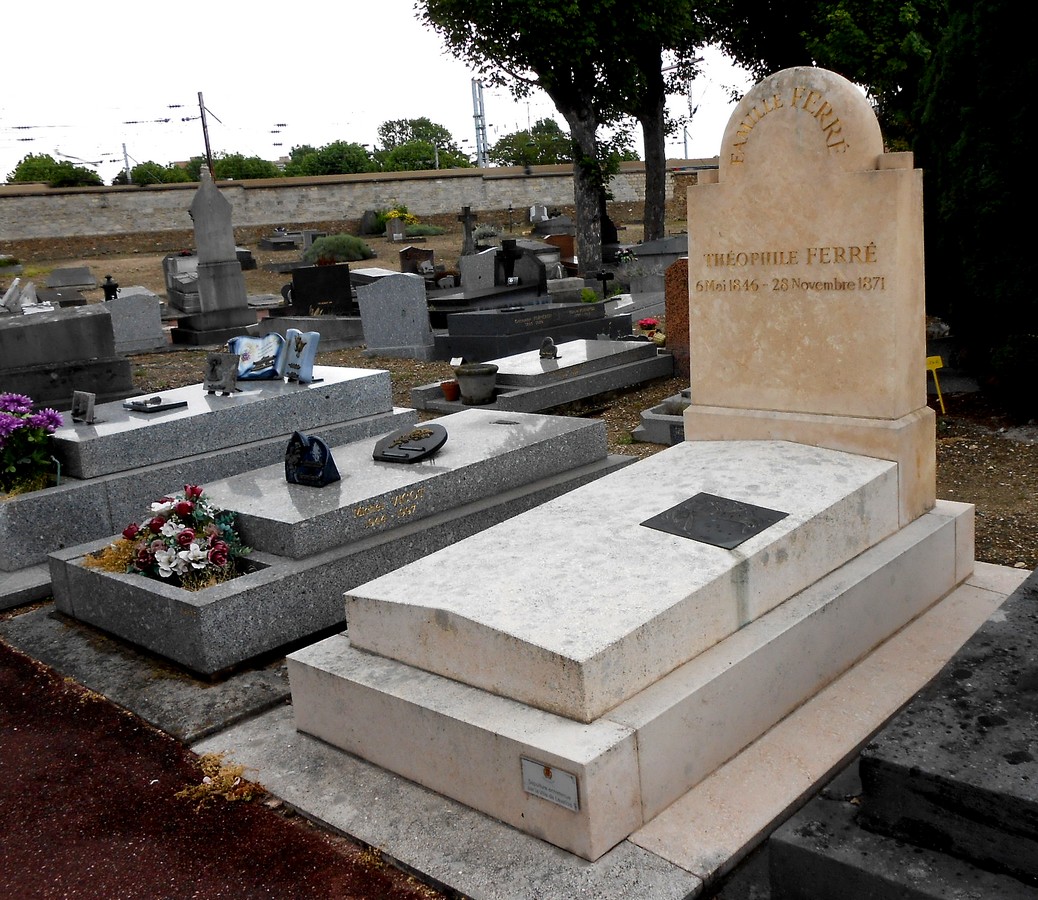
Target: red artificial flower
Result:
[185, 537]
[131, 530]
[184, 508]
[192, 491]
[155, 525]
[218, 554]
[144, 558]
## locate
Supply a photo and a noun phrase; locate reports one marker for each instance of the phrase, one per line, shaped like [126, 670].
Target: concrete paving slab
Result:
[445, 842]
[165, 696]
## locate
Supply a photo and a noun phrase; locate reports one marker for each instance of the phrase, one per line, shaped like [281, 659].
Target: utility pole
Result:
[126, 166]
[481, 123]
[205, 134]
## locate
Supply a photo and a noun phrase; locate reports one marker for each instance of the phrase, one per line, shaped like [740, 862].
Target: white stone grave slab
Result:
[549, 618]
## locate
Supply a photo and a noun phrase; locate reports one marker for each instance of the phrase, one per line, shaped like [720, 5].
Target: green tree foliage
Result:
[410, 157]
[883, 46]
[598, 61]
[415, 144]
[336, 158]
[415, 156]
[242, 168]
[545, 144]
[152, 173]
[44, 168]
[194, 167]
[403, 131]
[233, 166]
[524, 45]
[975, 151]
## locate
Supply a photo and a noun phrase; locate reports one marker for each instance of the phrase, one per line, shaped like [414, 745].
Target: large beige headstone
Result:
[805, 269]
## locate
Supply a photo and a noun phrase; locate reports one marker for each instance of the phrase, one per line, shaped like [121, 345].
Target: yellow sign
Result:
[933, 363]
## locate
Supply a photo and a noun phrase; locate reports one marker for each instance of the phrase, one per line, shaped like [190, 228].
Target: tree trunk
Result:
[652, 116]
[654, 134]
[586, 185]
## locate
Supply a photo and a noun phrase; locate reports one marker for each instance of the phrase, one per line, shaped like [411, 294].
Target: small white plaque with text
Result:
[551, 784]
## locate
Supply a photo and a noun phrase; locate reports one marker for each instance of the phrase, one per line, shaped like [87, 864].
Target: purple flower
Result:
[9, 424]
[15, 403]
[48, 419]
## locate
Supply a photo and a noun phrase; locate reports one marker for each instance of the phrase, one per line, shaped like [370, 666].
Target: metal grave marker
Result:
[715, 520]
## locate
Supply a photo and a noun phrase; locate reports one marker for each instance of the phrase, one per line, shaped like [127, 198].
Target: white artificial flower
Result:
[166, 561]
[160, 508]
[172, 529]
[194, 556]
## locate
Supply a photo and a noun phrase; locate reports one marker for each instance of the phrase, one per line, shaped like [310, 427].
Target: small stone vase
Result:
[476, 381]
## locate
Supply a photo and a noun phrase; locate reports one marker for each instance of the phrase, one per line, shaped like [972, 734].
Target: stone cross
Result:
[467, 219]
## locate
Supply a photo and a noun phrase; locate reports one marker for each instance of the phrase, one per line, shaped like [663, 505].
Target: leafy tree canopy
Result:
[396, 132]
[151, 172]
[242, 168]
[883, 46]
[336, 158]
[42, 167]
[545, 144]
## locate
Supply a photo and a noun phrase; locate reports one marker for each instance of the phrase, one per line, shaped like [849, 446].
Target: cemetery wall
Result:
[31, 212]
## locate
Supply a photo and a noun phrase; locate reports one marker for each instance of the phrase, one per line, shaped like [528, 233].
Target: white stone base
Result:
[634, 759]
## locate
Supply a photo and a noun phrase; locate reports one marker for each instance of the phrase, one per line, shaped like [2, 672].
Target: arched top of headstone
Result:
[801, 119]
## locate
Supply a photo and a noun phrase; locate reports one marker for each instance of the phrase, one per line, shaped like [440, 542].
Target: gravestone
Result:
[806, 318]
[479, 335]
[395, 317]
[53, 353]
[480, 272]
[676, 316]
[79, 277]
[369, 222]
[60, 297]
[181, 273]
[278, 241]
[222, 299]
[319, 291]
[555, 225]
[418, 261]
[808, 451]
[137, 323]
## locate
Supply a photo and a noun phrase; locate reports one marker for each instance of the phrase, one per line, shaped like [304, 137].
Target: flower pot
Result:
[476, 381]
[451, 390]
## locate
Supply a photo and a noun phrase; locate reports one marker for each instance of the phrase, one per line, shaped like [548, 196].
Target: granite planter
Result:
[208, 631]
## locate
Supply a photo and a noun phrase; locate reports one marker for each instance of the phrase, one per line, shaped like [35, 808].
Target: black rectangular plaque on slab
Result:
[715, 520]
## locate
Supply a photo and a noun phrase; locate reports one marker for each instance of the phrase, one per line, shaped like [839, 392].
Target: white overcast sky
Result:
[82, 81]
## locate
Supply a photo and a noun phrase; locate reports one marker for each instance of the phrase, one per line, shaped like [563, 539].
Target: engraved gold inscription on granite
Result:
[378, 513]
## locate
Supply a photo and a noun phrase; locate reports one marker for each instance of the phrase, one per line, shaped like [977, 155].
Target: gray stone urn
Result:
[476, 381]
